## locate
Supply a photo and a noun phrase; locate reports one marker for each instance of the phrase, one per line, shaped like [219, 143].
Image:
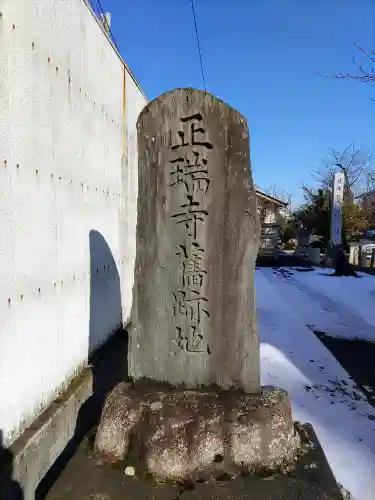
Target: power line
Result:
[107, 25]
[101, 12]
[198, 44]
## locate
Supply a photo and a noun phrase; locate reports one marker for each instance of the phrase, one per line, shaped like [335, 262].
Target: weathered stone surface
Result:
[121, 413]
[183, 435]
[262, 434]
[197, 239]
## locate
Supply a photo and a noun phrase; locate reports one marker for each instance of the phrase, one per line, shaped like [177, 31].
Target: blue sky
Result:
[261, 57]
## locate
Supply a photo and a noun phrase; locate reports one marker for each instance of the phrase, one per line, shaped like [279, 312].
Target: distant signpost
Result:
[340, 261]
[336, 208]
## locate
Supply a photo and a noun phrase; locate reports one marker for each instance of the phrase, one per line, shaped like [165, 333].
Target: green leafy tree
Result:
[315, 212]
[359, 199]
[288, 227]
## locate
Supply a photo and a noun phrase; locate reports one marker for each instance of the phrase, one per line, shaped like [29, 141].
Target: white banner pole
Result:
[336, 209]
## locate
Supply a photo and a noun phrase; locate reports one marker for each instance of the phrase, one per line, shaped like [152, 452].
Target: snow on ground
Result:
[338, 306]
[321, 391]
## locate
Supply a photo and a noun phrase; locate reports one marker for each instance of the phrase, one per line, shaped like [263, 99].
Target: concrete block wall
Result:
[68, 186]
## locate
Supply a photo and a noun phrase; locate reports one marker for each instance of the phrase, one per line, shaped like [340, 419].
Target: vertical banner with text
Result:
[336, 209]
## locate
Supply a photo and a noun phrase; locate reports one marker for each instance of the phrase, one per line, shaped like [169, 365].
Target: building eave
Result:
[272, 199]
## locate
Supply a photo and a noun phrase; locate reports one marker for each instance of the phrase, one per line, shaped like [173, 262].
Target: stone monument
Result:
[197, 241]
[303, 250]
[303, 236]
[195, 405]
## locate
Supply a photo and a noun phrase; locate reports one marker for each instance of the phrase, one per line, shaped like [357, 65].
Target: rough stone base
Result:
[182, 434]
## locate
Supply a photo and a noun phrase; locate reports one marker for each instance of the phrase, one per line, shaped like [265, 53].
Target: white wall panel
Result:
[68, 186]
[135, 102]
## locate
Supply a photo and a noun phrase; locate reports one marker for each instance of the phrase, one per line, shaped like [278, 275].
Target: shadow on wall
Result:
[105, 292]
[109, 364]
[9, 489]
[105, 319]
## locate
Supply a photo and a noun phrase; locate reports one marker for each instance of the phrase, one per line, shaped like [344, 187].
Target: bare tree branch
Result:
[354, 162]
[276, 191]
[365, 75]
